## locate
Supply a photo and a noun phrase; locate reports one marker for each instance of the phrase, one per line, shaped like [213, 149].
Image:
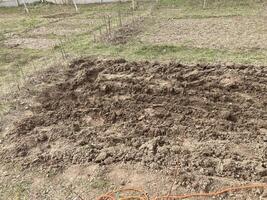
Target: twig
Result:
[25, 7]
[174, 179]
[75, 5]
[109, 25]
[204, 4]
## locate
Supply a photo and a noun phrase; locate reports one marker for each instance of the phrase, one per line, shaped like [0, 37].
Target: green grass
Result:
[18, 24]
[3, 109]
[196, 4]
[18, 191]
[133, 50]
[189, 54]
[14, 60]
[99, 184]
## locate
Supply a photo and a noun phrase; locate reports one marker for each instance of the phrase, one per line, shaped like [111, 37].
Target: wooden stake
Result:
[106, 23]
[109, 25]
[133, 4]
[119, 16]
[94, 37]
[204, 4]
[63, 53]
[100, 33]
[132, 16]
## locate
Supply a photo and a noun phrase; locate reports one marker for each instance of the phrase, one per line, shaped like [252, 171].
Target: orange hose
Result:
[210, 194]
[144, 196]
[109, 196]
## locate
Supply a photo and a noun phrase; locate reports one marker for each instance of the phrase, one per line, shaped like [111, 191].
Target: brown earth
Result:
[232, 33]
[206, 121]
[30, 43]
[123, 34]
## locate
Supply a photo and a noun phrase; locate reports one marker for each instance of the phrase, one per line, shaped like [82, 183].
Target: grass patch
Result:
[18, 57]
[134, 50]
[196, 4]
[18, 25]
[200, 55]
[18, 191]
[99, 184]
[4, 107]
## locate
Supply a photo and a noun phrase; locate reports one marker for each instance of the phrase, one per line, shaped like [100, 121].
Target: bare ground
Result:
[31, 43]
[219, 32]
[206, 122]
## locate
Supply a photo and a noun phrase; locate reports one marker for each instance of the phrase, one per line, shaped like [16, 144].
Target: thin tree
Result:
[17, 2]
[204, 4]
[25, 6]
[133, 4]
[75, 5]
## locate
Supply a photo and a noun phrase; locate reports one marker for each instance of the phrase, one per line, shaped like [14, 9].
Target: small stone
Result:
[111, 151]
[263, 131]
[102, 156]
[264, 194]
[76, 127]
[123, 182]
[109, 161]
[5, 174]
[176, 149]
[227, 115]
[261, 171]
[42, 138]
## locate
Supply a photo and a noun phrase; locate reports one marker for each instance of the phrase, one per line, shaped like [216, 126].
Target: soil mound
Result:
[123, 34]
[209, 121]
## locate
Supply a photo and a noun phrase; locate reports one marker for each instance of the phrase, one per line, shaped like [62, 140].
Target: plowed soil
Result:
[207, 121]
[232, 33]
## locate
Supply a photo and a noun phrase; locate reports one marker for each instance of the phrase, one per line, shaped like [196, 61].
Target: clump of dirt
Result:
[208, 121]
[123, 34]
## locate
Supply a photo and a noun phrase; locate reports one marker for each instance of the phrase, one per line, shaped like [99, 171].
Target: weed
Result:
[99, 184]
